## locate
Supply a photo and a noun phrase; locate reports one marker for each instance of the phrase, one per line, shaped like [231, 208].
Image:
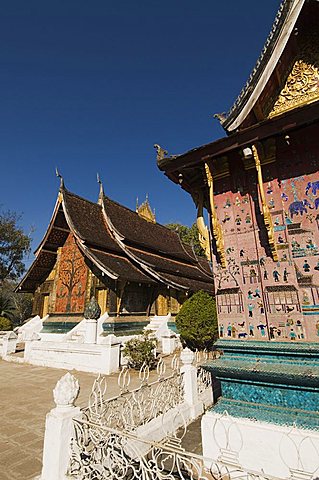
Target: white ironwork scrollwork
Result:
[204, 377]
[131, 409]
[100, 452]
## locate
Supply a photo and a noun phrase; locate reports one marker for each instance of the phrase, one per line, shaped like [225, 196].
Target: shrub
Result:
[197, 321]
[5, 324]
[140, 350]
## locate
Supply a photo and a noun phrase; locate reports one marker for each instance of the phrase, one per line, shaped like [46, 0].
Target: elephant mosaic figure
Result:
[299, 206]
[314, 186]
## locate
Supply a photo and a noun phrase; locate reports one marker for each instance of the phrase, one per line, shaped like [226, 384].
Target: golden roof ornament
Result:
[301, 88]
[144, 211]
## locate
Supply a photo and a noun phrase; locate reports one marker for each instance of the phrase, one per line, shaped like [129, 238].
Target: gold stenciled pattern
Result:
[302, 87]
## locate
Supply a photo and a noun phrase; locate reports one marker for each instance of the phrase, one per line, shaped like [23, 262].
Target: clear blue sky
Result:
[90, 86]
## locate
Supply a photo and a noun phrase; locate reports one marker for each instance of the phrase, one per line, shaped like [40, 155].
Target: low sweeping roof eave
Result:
[279, 125]
[154, 231]
[276, 42]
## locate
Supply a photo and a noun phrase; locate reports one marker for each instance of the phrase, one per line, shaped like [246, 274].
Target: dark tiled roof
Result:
[158, 253]
[190, 284]
[87, 220]
[138, 231]
[161, 264]
[122, 267]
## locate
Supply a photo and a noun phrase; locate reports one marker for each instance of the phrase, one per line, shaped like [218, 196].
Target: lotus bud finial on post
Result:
[66, 391]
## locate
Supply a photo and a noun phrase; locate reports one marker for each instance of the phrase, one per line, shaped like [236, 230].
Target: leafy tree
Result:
[5, 324]
[14, 246]
[17, 307]
[7, 305]
[188, 235]
[197, 321]
[23, 307]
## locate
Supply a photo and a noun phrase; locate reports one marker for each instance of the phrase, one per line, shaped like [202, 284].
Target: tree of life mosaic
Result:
[71, 284]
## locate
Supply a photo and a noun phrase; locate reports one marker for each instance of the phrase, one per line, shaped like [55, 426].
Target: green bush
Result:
[140, 350]
[5, 324]
[197, 321]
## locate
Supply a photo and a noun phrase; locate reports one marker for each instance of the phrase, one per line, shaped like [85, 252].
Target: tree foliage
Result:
[197, 321]
[14, 246]
[5, 324]
[188, 235]
[140, 350]
[7, 305]
[17, 307]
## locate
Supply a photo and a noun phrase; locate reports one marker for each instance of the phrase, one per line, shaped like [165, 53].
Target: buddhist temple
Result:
[134, 266]
[260, 187]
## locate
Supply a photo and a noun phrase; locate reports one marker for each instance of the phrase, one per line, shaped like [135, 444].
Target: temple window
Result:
[282, 299]
[230, 300]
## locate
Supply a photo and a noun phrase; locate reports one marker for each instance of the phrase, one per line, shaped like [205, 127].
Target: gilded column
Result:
[216, 227]
[265, 210]
[203, 233]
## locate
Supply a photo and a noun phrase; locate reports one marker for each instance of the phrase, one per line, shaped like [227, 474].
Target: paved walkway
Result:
[25, 399]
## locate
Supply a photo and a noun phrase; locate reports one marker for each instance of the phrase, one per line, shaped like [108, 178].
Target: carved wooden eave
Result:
[301, 88]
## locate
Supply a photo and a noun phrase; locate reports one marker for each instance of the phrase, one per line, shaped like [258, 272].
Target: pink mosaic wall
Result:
[258, 298]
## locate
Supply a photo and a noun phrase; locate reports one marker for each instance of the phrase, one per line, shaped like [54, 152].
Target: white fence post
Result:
[90, 330]
[59, 429]
[189, 372]
[9, 343]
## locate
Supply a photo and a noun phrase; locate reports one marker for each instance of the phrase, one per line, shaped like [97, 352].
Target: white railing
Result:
[140, 434]
[151, 412]
[133, 408]
[100, 452]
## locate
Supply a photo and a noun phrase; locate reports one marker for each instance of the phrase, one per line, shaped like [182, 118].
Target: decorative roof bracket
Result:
[216, 227]
[265, 210]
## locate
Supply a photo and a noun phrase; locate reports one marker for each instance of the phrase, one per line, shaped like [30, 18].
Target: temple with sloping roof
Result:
[134, 266]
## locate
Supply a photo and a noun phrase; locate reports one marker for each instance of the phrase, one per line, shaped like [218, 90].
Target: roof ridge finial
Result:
[136, 207]
[160, 152]
[101, 192]
[58, 174]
